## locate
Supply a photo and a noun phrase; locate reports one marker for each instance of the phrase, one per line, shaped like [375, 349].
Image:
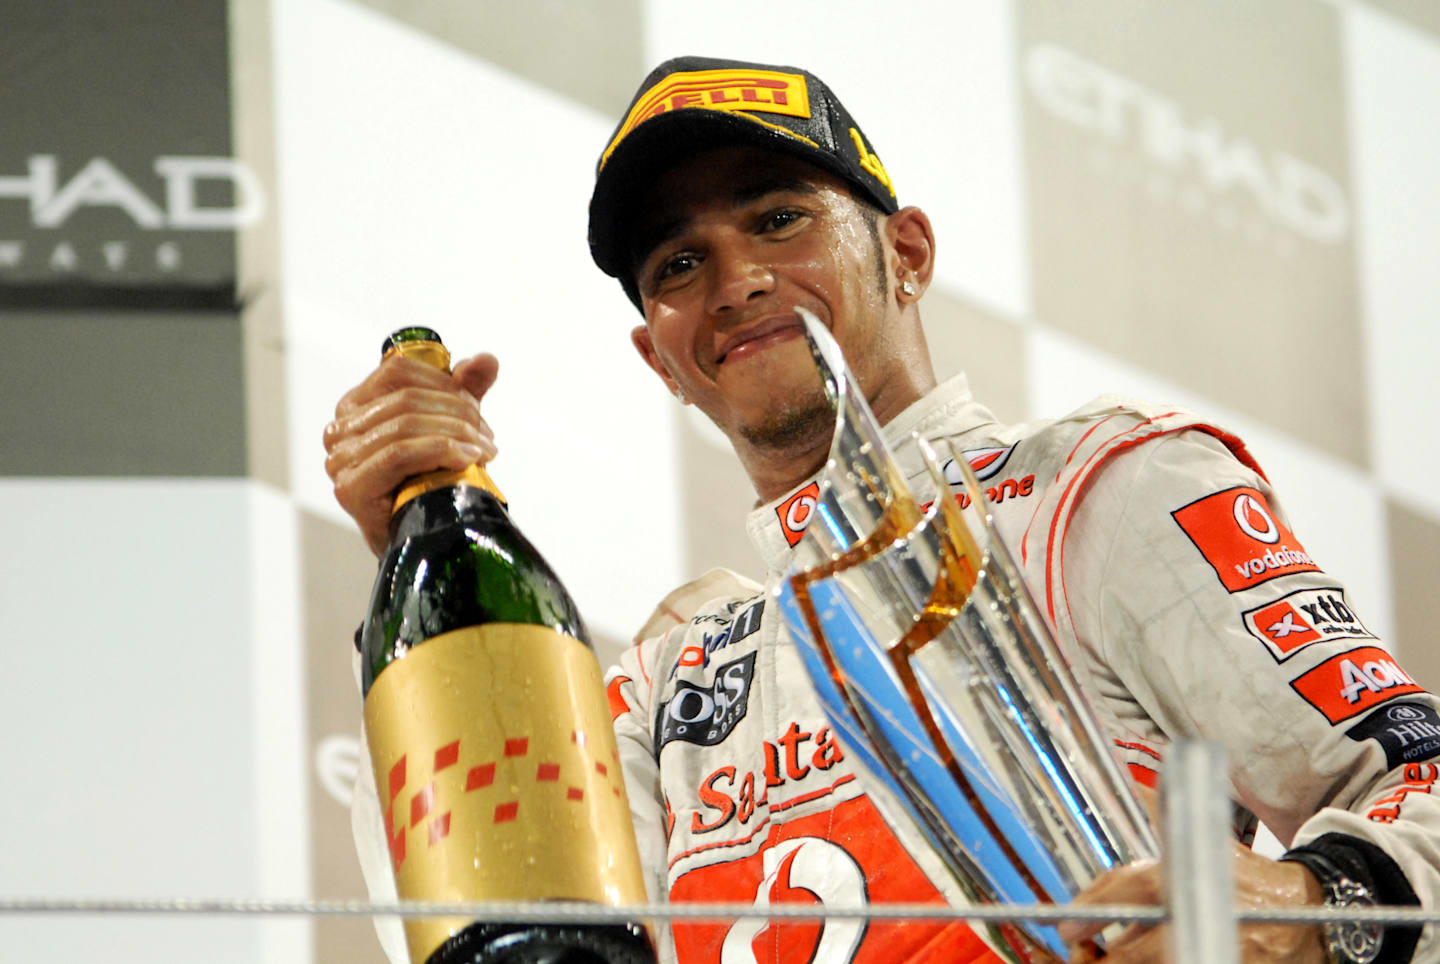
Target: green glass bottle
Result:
[489, 729]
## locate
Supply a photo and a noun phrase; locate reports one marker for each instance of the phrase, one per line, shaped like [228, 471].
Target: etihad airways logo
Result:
[54, 202]
[1289, 190]
[100, 184]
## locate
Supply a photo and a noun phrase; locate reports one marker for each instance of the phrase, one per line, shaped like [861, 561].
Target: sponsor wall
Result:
[1231, 211]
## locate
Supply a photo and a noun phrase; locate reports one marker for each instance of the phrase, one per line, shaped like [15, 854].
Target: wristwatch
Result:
[1346, 942]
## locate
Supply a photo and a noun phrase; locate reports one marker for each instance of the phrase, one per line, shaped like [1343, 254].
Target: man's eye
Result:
[776, 220]
[677, 265]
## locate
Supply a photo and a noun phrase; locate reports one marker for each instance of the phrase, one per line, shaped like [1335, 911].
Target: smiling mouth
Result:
[762, 337]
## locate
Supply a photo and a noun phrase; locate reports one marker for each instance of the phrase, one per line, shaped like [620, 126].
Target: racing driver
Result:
[731, 193]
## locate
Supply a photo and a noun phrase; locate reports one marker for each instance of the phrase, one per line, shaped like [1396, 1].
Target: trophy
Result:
[936, 667]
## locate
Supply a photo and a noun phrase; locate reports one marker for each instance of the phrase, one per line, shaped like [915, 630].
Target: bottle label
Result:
[498, 775]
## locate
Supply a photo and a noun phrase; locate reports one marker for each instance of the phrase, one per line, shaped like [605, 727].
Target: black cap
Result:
[691, 104]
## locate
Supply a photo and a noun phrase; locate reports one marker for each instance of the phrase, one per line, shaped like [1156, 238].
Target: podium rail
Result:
[1199, 872]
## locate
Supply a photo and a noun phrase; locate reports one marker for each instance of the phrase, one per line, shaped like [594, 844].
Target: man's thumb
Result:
[477, 373]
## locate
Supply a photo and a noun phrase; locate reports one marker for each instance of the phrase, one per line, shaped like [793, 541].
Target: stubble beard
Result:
[801, 424]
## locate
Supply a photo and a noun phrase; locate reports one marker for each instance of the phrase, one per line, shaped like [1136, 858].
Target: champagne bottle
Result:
[489, 730]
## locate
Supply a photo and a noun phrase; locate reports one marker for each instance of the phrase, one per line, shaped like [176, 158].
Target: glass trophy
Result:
[936, 667]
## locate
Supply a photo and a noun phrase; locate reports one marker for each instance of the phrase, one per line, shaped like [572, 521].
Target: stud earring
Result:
[908, 287]
[680, 396]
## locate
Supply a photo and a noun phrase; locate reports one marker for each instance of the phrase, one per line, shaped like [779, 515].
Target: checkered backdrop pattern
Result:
[1231, 206]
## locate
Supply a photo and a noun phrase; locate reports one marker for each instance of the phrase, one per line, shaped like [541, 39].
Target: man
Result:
[728, 196]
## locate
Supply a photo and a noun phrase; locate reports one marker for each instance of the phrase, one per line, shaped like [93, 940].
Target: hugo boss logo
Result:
[705, 715]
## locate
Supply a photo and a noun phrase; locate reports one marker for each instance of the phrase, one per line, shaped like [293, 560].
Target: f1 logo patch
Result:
[1242, 540]
[795, 512]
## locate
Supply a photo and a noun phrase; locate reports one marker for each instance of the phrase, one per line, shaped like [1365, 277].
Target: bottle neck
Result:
[443, 506]
[473, 476]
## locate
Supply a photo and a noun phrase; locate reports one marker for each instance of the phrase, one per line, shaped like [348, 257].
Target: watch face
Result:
[1350, 942]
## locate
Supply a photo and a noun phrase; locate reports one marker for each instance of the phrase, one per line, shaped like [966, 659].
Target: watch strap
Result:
[1337, 857]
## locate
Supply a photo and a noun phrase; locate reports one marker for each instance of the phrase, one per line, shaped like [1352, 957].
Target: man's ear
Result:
[640, 338]
[912, 240]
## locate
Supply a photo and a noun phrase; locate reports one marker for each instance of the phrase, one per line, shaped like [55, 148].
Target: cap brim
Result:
[656, 146]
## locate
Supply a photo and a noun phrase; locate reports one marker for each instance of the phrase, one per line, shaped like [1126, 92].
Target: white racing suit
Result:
[1186, 606]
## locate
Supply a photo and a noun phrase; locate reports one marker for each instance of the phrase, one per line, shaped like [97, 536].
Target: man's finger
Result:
[393, 374]
[477, 374]
[407, 401]
[1138, 945]
[1137, 883]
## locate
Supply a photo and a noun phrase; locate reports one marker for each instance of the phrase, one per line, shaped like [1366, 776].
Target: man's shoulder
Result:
[1102, 417]
[716, 588]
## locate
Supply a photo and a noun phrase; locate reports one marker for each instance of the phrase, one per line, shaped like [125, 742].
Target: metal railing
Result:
[1199, 871]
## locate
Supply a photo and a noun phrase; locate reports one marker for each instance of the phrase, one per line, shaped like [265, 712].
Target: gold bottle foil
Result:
[420, 484]
[436, 354]
[512, 791]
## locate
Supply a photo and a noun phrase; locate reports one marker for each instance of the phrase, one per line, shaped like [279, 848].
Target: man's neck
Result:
[776, 472]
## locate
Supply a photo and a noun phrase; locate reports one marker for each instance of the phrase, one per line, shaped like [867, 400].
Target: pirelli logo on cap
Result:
[731, 90]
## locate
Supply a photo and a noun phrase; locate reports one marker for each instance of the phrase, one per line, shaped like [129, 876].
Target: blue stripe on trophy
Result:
[866, 665]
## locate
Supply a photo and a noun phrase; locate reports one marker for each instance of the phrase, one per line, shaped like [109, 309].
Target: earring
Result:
[908, 287]
[680, 396]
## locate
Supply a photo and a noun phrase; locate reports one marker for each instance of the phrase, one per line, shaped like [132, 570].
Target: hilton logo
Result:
[1408, 732]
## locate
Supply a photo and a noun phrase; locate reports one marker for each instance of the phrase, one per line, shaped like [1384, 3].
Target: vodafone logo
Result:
[1226, 526]
[1255, 520]
[796, 511]
[803, 870]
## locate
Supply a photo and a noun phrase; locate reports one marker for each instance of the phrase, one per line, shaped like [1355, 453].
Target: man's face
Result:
[730, 243]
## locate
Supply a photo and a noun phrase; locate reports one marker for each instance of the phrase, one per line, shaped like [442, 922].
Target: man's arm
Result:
[1199, 613]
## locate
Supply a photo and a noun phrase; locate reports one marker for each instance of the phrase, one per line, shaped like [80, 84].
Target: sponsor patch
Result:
[986, 463]
[1241, 539]
[1409, 732]
[1419, 778]
[730, 90]
[1351, 683]
[795, 512]
[1303, 617]
[731, 631]
[705, 715]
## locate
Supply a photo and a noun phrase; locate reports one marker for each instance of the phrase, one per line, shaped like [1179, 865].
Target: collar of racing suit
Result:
[949, 408]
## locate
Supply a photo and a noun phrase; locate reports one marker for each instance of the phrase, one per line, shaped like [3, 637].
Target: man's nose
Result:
[736, 277]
